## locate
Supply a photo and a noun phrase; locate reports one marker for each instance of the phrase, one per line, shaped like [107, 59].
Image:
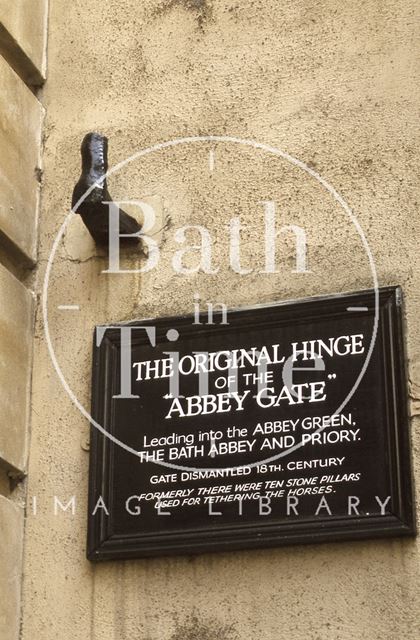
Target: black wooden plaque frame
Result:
[104, 543]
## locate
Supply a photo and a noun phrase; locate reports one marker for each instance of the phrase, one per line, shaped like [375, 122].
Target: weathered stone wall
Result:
[334, 84]
[22, 66]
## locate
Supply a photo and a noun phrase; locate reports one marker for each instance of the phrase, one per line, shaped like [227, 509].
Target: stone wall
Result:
[22, 69]
[335, 84]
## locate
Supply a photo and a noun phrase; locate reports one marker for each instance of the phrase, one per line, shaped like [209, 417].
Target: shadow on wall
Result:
[194, 629]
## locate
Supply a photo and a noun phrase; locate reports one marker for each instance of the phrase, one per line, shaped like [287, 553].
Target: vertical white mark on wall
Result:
[211, 159]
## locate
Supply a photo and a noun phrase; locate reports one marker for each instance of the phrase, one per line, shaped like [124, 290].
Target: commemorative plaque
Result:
[270, 425]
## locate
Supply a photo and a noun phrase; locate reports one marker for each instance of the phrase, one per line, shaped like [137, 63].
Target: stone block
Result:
[23, 33]
[11, 536]
[20, 134]
[16, 313]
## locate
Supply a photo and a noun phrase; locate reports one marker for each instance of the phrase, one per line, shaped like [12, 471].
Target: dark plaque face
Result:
[274, 425]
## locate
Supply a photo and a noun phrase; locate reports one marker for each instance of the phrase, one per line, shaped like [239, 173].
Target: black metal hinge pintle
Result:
[94, 209]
